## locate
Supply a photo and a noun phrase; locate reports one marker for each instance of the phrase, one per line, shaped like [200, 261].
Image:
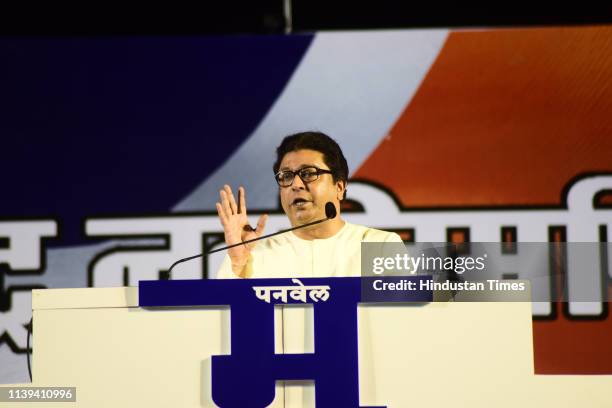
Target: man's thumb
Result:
[261, 224]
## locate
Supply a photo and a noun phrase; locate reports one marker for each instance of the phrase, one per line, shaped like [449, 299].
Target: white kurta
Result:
[288, 256]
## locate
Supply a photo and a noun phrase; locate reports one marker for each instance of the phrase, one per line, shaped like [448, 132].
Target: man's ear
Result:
[341, 189]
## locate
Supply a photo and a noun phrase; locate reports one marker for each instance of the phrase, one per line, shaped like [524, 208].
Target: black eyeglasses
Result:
[307, 174]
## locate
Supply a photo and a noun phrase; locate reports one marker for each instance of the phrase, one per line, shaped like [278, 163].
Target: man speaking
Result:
[311, 172]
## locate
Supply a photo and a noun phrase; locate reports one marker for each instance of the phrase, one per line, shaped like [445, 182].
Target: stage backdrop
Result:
[114, 149]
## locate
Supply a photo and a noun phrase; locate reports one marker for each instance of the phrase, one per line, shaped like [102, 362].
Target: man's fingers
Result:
[225, 203]
[241, 200]
[261, 224]
[221, 213]
[231, 199]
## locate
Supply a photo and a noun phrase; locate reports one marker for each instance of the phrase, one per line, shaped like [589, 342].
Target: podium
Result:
[117, 354]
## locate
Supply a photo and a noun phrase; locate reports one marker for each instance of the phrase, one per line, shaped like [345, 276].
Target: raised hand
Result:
[236, 228]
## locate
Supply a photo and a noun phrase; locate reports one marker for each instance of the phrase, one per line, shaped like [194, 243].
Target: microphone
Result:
[330, 213]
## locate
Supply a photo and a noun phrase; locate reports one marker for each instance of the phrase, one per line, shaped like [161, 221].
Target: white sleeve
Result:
[393, 237]
[225, 271]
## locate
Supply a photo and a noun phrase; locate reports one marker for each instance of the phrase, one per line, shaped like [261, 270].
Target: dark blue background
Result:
[94, 126]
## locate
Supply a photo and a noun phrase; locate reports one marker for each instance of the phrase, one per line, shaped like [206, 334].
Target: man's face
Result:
[305, 202]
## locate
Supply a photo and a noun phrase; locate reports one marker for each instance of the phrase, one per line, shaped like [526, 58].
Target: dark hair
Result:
[320, 142]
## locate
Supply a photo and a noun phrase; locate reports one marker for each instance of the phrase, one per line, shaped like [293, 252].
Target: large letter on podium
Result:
[252, 362]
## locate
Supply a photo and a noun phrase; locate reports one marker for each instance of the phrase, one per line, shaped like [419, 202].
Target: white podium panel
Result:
[434, 355]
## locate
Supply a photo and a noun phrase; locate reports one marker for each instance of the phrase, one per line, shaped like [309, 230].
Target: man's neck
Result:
[323, 230]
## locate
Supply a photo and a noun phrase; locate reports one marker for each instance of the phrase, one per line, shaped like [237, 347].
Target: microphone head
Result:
[330, 210]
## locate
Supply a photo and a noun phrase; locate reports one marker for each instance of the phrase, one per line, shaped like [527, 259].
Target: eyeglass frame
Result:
[297, 173]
